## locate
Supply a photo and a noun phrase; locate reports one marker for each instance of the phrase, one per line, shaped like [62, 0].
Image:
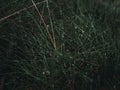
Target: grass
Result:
[59, 45]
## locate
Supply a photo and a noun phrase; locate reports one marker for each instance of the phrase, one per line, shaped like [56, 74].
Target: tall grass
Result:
[59, 45]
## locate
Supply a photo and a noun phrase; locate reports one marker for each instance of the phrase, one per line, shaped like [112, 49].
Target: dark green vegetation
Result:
[81, 50]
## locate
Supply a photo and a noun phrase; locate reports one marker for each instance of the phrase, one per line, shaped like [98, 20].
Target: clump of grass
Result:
[75, 48]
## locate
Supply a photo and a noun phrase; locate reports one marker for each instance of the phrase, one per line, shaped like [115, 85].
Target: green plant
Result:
[60, 45]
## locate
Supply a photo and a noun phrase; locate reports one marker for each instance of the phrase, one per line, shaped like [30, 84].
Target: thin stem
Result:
[51, 23]
[19, 11]
[44, 24]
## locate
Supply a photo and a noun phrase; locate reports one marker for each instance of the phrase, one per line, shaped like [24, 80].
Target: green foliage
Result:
[87, 54]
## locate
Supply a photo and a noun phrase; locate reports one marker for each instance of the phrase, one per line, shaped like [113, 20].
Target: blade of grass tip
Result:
[51, 23]
[44, 24]
[19, 11]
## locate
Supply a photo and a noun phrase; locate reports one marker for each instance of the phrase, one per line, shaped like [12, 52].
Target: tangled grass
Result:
[59, 45]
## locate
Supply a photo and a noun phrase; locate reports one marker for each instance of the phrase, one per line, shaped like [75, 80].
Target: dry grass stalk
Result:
[19, 11]
[45, 26]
